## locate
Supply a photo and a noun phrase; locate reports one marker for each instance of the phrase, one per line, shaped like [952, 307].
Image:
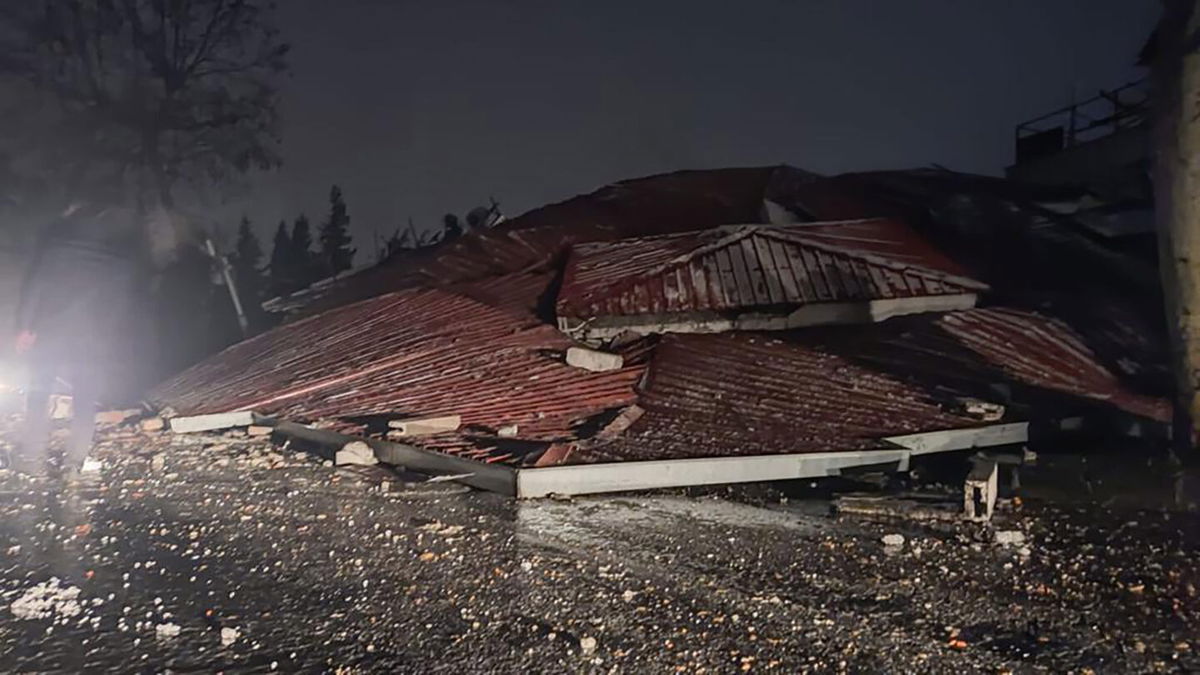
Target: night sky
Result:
[419, 108]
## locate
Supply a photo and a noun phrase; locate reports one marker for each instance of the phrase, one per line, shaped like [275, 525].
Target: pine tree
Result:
[247, 253]
[304, 270]
[282, 268]
[247, 257]
[335, 235]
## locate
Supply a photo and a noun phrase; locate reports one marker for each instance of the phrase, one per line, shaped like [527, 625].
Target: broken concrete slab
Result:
[355, 452]
[979, 490]
[507, 431]
[153, 424]
[195, 423]
[593, 360]
[258, 430]
[424, 426]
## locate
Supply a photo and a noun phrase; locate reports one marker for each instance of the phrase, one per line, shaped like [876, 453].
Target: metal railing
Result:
[1103, 115]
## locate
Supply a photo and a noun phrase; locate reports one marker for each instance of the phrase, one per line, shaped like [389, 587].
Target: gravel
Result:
[316, 569]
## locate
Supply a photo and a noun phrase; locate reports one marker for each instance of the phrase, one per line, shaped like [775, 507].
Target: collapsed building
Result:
[713, 326]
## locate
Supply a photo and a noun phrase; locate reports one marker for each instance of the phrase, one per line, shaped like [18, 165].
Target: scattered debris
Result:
[984, 411]
[355, 452]
[936, 508]
[507, 431]
[424, 426]
[167, 630]
[449, 477]
[257, 430]
[1009, 537]
[893, 540]
[229, 636]
[587, 645]
[46, 600]
[153, 424]
[593, 360]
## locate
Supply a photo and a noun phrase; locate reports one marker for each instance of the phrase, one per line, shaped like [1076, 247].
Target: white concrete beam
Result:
[195, 423]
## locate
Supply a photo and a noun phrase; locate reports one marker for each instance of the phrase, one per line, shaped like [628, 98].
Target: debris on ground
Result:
[925, 508]
[47, 600]
[260, 554]
[1009, 537]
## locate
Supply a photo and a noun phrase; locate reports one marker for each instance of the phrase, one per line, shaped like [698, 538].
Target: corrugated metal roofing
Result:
[847, 388]
[1046, 352]
[749, 394]
[412, 353]
[1041, 357]
[756, 267]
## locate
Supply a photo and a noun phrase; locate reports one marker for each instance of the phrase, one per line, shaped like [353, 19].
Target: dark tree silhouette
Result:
[281, 268]
[336, 253]
[247, 272]
[141, 94]
[304, 264]
[451, 227]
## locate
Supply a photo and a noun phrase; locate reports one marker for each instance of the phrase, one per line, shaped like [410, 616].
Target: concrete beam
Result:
[195, 423]
[626, 476]
[491, 477]
[963, 439]
[575, 479]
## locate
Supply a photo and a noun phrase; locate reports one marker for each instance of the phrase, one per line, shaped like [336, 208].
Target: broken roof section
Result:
[744, 393]
[757, 277]
[681, 201]
[472, 329]
[411, 354]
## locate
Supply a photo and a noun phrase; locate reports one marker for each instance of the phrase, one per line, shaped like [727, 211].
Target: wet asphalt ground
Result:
[319, 570]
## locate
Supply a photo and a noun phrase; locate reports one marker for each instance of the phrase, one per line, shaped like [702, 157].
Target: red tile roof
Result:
[412, 353]
[666, 203]
[755, 267]
[752, 393]
[1045, 352]
[1040, 356]
[847, 388]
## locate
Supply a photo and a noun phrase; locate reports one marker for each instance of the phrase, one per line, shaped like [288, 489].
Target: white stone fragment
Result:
[593, 360]
[1010, 537]
[355, 452]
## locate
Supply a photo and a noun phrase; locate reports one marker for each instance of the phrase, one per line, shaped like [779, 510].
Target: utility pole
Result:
[226, 272]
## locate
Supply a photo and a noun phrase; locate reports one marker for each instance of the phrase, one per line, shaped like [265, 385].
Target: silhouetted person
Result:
[73, 310]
